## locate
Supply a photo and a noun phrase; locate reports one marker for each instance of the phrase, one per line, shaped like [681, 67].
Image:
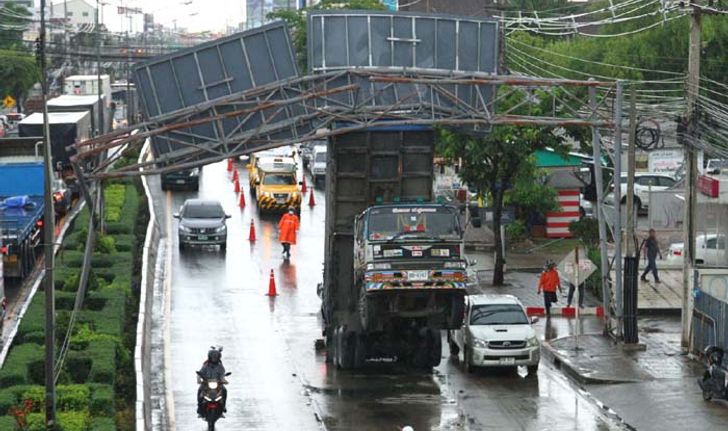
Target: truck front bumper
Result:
[485, 357]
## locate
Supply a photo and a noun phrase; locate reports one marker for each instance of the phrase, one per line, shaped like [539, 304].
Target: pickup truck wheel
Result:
[454, 349]
[223, 246]
[532, 370]
[466, 361]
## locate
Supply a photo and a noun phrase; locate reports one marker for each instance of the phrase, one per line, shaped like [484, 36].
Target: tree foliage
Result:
[296, 20]
[498, 163]
[14, 19]
[18, 73]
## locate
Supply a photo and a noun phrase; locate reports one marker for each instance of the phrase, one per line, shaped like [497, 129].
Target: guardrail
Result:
[143, 349]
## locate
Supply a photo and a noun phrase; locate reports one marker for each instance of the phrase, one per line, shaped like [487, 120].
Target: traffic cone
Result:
[230, 165]
[311, 200]
[251, 236]
[304, 189]
[272, 285]
[235, 175]
[241, 204]
[237, 186]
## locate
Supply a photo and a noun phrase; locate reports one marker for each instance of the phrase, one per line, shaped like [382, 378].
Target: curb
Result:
[572, 371]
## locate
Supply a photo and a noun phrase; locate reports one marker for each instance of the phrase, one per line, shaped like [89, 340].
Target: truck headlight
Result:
[455, 265]
[480, 343]
[267, 194]
[373, 266]
[184, 228]
[222, 228]
[533, 341]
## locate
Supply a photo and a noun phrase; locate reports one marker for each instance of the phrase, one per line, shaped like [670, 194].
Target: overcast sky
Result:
[213, 15]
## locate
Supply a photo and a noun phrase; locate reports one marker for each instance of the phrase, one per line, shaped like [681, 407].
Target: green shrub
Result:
[16, 370]
[103, 361]
[7, 400]
[102, 424]
[102, 400]
[516, 230]
[68, 397]
[118, 228]
[114, 196]
[105, 244]
[7, 423]
[67, 421]
[36, 337]
[34, 318]
[36, 396]
[71, 258]
[587, 230]
[65, 300]
[78, 366]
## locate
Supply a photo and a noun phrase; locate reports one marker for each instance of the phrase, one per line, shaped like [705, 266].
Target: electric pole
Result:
[48, 231]
[691, 173]
[102, 103]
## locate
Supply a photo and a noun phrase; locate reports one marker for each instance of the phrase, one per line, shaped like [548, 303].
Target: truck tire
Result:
[347, 349]
[457, 311]
[23, 260]
[435, 348]
[367, 312]
[360, 351]
[454, 349]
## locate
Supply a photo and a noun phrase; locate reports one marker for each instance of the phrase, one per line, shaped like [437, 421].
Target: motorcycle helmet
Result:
[214, 356]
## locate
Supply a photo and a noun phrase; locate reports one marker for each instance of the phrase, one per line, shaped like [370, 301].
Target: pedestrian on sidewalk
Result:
[548, 283]
[287, 227]
[652, 247]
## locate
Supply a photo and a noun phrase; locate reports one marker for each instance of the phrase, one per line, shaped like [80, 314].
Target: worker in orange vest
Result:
[548, 283]
[287, 227]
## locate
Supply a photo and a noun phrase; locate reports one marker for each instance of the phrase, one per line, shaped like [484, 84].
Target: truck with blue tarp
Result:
[21, 212]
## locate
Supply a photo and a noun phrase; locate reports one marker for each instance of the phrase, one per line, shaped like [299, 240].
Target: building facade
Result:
[76, 12]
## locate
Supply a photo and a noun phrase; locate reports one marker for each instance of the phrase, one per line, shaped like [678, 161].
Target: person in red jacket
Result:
[287, 227]
[548, 283]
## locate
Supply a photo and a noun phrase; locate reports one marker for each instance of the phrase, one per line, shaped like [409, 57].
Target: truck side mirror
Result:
[175, 215]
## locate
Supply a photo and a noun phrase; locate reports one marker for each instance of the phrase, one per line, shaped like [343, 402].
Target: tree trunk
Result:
[498, 276]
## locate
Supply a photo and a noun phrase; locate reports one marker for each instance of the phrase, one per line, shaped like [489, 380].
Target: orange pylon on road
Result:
[311, 200]
[304, 189]
[251, 236]
[237, 186]
[229, 165]
[241, 203]
[272, 285]
[235, 175]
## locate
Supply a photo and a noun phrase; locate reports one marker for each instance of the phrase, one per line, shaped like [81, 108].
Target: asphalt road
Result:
[279, 381]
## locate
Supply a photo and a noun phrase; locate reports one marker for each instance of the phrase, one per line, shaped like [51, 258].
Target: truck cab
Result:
[276, 184]
[409, 259]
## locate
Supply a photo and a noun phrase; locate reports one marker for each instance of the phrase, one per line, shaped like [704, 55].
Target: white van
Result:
[318, 164]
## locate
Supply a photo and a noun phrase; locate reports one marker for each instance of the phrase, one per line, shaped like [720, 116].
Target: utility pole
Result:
[693, 84]
[129, 117]
[630, 251]
[631, 262]
[48, 231]
[102, 103]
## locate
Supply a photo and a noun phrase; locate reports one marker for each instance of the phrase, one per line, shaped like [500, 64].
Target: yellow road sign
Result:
[8, 102]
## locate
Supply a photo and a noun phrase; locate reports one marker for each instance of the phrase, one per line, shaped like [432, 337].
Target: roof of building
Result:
[55, 117]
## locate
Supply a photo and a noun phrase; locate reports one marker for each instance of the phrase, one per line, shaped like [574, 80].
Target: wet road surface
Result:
[280, 382]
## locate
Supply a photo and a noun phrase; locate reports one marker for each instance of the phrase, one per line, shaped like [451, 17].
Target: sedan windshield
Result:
[203, 211]
[498, 314]
[279, 180]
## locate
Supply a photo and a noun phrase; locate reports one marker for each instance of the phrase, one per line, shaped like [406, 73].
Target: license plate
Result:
[417, 275]
[180, 181]
[507, 361]
[202, 237]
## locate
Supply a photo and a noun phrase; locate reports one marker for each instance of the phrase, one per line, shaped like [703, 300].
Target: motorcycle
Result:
[212, 394]
[714, 382]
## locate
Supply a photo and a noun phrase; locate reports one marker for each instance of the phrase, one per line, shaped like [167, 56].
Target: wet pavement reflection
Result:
[280, 382]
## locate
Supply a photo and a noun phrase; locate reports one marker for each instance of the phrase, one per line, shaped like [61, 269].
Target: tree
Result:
[491, 163]
[296, 20]
[18, 73]
[14, 20]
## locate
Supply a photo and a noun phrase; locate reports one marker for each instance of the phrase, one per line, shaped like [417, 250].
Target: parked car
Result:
[307, 152]
[318, 164]
[184, 179]
[586, 208]
[715, 166]
[202, 222]
[709, 250]
[643, 183]
[496, 332]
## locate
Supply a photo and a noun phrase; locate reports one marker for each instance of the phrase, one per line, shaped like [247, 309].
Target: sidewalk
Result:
[600, 360]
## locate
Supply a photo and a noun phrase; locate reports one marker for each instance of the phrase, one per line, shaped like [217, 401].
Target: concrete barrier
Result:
[142, 351]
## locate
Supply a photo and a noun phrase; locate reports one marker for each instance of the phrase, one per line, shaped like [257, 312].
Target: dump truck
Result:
[395, 270]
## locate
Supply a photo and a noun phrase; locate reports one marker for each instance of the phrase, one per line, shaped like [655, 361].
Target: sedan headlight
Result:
[533, 341]
[184, 228]
[480, 343]
[458, 265]
[373, 266]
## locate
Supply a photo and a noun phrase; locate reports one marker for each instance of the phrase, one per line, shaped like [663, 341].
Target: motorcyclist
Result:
[212, 369]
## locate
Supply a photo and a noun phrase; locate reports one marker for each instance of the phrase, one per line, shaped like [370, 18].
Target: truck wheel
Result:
[532, 370]
[454, 349]
[367, 311]
[435, 347]
[23, 256]
[348, 348]
[360, 351]
[457, 311]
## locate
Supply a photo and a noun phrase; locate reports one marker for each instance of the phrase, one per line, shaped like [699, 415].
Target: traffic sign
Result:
[8, 102]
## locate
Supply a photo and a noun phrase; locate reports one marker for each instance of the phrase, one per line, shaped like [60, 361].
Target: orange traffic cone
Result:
[241, 204]
[311, 200]
[237, 186]
[235, 175]
[272, 285]
[304, 189]
[230, 165]
[251, 236]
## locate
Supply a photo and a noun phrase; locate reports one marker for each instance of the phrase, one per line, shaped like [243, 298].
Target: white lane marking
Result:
[167, 295]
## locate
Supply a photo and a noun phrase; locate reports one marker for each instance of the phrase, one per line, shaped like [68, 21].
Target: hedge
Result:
[96, 392]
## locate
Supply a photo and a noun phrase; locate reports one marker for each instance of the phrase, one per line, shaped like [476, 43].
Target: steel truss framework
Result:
[318, 106]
